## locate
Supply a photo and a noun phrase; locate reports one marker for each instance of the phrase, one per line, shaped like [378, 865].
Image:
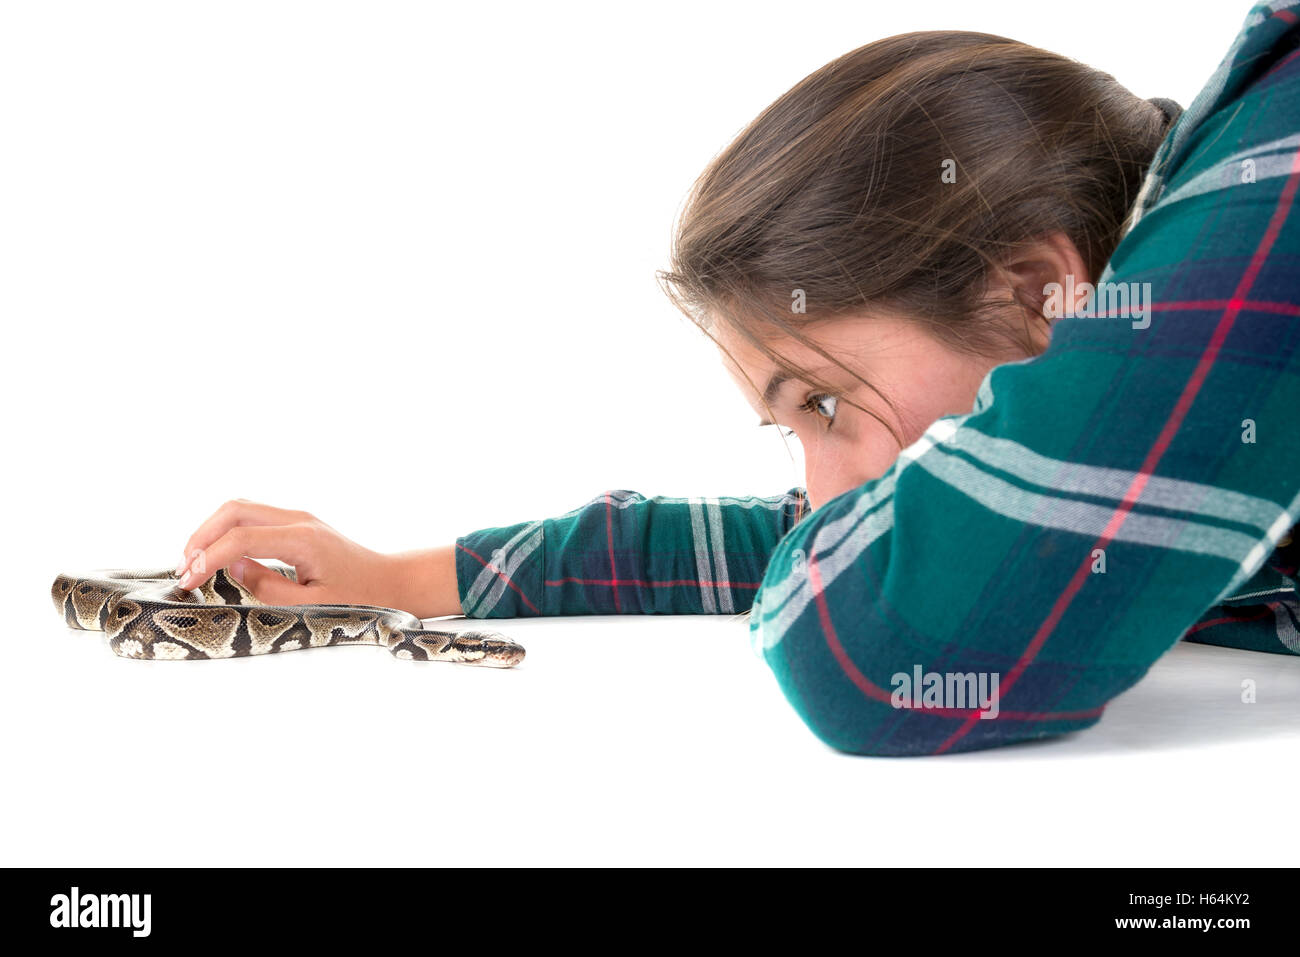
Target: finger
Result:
[269, 586]
[289, 543]
[235, 513]
[232, 514]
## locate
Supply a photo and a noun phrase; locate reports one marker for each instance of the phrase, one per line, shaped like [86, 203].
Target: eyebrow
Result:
[773, 389]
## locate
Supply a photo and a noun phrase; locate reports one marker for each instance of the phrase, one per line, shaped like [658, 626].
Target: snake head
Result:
[488, 648]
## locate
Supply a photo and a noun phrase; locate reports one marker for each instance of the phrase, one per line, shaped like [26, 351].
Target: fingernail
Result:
[236, 571]
[200, 563]
[184, 564]
[186, 579]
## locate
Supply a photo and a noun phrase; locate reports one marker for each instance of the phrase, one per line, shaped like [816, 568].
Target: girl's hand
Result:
[331, 569]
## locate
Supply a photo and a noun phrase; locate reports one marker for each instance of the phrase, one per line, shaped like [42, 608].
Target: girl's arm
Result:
[623, 553]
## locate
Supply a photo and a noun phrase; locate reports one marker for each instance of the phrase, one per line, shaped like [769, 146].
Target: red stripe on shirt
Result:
[641, 582]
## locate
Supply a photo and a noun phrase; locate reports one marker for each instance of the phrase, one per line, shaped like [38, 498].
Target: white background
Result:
[394, 264]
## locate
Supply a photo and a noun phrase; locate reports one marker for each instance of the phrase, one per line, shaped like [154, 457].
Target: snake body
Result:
[146, 614]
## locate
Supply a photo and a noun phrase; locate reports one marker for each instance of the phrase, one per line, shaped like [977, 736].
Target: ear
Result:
[1048, 276]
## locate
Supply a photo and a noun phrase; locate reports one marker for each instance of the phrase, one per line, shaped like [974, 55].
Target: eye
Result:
[822, 405]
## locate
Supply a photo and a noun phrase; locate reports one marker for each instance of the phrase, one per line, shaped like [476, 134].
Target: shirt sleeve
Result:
[1021, 565]
[622, 553]
[1265, 616]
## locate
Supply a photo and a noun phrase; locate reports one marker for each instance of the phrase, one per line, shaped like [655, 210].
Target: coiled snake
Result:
[146, 614]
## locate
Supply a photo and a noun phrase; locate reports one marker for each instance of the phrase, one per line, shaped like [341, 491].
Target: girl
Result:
[1015, 501]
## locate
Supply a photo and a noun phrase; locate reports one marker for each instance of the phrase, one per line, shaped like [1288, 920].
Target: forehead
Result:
[742, 359]
[739, 355]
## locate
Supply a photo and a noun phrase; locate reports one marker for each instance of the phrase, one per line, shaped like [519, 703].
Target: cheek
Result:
[852, 458]
[951, 392]
[872, 459]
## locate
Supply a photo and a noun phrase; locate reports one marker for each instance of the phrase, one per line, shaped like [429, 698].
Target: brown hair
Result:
[836, 189]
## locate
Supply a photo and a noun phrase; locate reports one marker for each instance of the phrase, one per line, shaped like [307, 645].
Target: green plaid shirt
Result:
[1134, 485]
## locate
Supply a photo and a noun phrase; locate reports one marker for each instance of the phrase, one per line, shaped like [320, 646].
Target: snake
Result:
[144, 613]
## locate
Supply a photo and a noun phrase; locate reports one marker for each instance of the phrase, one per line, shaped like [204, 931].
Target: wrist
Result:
[423, 582]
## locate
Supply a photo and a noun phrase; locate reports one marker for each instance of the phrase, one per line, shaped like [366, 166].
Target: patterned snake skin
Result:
[146, 614]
